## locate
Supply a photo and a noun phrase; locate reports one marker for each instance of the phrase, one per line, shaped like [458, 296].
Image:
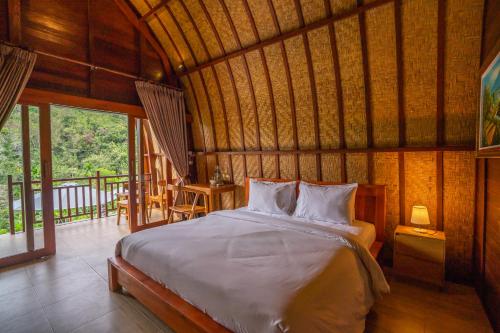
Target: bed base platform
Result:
[178, 314]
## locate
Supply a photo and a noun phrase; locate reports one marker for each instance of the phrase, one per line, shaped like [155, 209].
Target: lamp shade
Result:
[420, 215]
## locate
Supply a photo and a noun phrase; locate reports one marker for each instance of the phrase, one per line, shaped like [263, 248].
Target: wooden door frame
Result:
[49, 246]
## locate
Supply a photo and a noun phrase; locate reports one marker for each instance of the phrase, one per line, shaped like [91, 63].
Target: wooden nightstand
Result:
[419, 255]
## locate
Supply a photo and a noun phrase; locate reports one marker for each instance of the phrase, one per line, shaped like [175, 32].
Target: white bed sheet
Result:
[258, 273]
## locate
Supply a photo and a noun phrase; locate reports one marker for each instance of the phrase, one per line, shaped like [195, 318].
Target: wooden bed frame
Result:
[184, 317]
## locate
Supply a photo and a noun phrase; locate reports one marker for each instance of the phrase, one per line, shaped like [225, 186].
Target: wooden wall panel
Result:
[287, 167]
[458, 202]
[381, 42]
[462, 76]
[330, 168]
[307, 163]
[239, 179]
[269, 167]
[357, 168]
[201, 167]
[492, 242]
[324, 73]
[419, 31]
[302, 92]
[253, 165]
[4, 21]
[225, 166]
[420, 180]
[351, 74]
[385, 171]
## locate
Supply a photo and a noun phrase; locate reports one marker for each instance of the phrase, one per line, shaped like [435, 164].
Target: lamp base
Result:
[421, 230]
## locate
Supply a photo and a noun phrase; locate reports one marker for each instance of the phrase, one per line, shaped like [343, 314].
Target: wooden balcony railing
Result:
[79, 198]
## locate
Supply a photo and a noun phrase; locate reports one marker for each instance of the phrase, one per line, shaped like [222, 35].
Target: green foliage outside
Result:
[83, 142]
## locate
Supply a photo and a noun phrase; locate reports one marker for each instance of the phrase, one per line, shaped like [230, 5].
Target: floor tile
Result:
[34, 321]
[117, 321]
[18, 303]
[75, 311]
[14, 280]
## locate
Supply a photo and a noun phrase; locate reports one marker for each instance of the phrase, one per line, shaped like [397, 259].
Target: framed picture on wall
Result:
[488, 133]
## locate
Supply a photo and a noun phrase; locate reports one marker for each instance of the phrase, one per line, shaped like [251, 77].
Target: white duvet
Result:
[257, 273]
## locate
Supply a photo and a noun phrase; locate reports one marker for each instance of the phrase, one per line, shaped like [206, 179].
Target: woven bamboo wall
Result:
[373, 95]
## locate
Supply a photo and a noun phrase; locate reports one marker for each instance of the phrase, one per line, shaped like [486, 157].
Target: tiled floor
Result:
[68, 293]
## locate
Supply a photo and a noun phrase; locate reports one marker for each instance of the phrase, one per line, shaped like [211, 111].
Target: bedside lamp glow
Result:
[420, 216]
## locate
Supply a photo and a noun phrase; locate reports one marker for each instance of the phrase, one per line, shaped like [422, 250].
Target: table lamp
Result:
[420, 216]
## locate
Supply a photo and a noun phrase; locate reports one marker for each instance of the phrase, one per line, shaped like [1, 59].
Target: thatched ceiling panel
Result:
[247, 105]
[351, 74]
[218, 108]
[241, 20]
[188, 32]
[296, 53]
[324, 73]
[286, 14]
[261, 12]
[419, 25]
[313, 10]
[381, 47]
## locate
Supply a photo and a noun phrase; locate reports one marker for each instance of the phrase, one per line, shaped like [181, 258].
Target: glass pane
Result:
[90, 165]
[12, 227]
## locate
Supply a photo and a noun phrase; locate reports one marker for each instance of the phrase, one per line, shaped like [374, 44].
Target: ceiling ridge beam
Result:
[290, 34]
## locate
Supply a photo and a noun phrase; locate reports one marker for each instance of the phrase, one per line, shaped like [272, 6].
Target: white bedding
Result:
[258, 273]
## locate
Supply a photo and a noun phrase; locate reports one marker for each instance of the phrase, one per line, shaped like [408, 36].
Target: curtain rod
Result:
[91, 66]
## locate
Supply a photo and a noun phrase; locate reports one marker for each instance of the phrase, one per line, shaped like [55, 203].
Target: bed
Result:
[243, 271]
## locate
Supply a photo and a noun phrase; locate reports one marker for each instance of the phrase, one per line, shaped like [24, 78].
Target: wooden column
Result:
[49, 227]
[28, 190]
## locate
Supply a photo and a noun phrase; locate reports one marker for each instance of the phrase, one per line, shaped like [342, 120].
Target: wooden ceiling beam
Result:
[147, 34]
[290, 34]
[153, 11]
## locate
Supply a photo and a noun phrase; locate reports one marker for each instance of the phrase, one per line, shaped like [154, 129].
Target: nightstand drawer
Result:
[419, 269]
[424, 248]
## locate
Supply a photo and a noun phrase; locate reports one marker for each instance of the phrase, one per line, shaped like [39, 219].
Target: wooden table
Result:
[212, 192]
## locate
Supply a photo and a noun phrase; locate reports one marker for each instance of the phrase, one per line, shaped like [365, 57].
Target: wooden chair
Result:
[187, 209]
[160, 198]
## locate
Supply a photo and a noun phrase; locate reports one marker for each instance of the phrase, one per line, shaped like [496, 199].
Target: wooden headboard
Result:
[370, 202]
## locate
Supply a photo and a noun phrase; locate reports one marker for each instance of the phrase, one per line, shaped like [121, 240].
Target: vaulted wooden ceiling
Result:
[319, 74]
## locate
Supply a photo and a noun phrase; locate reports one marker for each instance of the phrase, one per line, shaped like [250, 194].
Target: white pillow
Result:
[272, 198]
[327, 203]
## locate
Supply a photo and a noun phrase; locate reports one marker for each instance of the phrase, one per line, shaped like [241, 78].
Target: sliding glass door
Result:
[26, 204]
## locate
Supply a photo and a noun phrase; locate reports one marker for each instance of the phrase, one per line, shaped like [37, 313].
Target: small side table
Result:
[213, 192]
[420, 256]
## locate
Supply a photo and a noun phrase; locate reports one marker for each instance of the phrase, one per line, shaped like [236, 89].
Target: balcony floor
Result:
[68, 293]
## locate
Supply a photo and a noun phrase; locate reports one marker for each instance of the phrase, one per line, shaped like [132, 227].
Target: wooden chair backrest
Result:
[370, 202]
